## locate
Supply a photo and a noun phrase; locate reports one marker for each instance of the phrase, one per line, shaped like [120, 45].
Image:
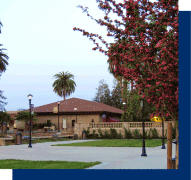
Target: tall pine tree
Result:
[103, 93]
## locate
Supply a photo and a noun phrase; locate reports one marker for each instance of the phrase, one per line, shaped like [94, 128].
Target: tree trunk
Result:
[132, 84]
[120, 83]
[125, 92]
[125, 89]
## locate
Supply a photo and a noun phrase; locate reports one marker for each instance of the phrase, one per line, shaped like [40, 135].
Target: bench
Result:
[46, 129]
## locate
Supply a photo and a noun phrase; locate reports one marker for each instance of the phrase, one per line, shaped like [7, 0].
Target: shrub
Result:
[88, 133]
[148, 136]
[113, 134]
[136, 134]
[91, 136]
[14, 139]
[127, 134]
[154, 133]
[120, 136]
[94, 135]
[35, 126]
[141, 136]
[75, 136]
[41, 125]
[106, 135]
[49, 123]
[101, 134]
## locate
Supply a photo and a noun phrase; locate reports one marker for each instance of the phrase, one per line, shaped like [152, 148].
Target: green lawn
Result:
[22, 164]
[118, 143]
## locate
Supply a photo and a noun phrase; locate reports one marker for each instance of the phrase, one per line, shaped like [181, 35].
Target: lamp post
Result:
[143, 148]
[30, 97]
[58, 116]
[75, 109]
[163, 145]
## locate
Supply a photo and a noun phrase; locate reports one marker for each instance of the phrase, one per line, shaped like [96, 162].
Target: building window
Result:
[73, 122]
[92, 120]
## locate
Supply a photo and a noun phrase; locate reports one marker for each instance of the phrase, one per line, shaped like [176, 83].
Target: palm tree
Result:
[3, 60]
[64, 85]
[121, 80]
[3, 56]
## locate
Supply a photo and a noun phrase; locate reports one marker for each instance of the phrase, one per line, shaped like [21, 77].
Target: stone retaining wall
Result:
[119, 126]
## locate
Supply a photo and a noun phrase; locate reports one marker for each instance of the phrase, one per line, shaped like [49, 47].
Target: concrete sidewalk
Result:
[111, 157]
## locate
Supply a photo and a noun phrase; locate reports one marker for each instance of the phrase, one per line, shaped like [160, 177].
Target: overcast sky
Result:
[40, 43]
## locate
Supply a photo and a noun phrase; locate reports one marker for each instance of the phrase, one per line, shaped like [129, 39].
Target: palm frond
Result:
[64, 85]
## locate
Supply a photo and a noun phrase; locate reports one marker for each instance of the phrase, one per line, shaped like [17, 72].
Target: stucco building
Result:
[75, 110]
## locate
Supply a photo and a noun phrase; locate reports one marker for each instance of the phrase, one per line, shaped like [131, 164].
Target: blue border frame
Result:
[184, 129]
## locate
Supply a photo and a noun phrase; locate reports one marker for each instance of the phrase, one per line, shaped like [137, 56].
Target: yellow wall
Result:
[80, 119]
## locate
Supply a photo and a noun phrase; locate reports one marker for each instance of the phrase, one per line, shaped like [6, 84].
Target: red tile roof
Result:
[82, 106]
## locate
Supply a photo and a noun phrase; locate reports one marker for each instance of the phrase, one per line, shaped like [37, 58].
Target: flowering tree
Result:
[144, 52]
[146, 49]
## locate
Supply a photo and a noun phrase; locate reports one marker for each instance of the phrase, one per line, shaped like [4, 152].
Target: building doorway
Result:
[73, 125]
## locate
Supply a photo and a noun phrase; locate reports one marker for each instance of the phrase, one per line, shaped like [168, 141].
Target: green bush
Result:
[35, 126]
[101, 136]
[128, 134]
[120, 136]
[75, 137]
[106, 135]
[141, 136]
[87, 133]
[154, 133]
[94, 135]
[136, 134]
[49, 123]
[148, 136]
[14, 139]
[113, 134]
[41, 125]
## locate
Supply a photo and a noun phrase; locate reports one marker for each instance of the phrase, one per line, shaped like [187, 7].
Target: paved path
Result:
[111, 157]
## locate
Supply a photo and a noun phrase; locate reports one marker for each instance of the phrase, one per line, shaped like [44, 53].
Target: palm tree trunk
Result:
[63, 94]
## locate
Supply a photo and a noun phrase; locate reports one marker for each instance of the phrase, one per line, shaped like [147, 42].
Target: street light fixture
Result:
[58, 116]
[143, 148]
[75, 109]
[30, 98]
